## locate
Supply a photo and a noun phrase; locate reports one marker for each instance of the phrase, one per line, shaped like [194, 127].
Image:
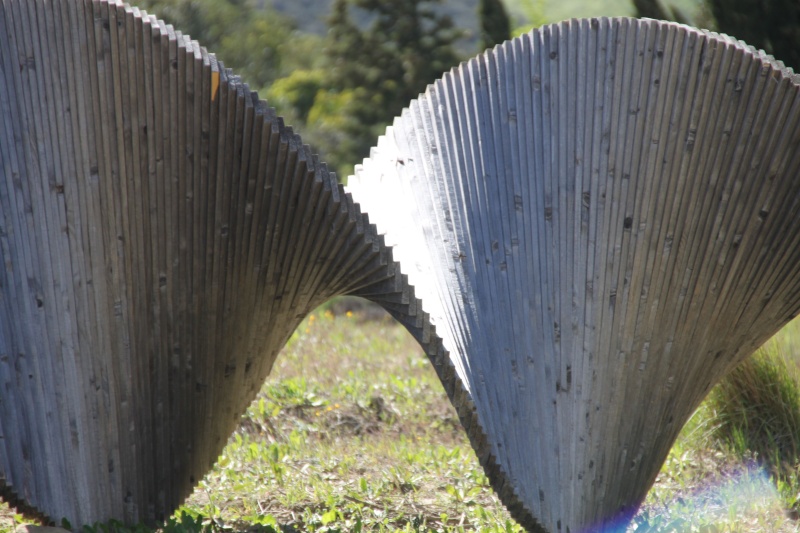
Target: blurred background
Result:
[339, 71]
[353, 431]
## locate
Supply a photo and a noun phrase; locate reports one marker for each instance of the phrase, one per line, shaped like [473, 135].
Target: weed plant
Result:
[757, 411]
[735, 465]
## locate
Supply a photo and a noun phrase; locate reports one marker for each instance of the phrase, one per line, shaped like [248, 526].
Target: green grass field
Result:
[353, 432]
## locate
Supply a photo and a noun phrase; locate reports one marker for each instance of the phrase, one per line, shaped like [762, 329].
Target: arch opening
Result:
[352, 424]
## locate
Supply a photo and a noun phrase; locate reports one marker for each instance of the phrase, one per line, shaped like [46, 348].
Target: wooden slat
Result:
[12, 241]
[32, 296]
[584, 228]
[129, 191]
[641, 177]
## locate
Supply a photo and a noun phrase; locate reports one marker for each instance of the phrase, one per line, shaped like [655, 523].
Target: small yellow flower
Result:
[336, 405]
[349, 314]
[316, 413]
[330, 408]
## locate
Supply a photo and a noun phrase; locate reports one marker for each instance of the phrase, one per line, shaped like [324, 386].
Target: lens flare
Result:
[743, 497]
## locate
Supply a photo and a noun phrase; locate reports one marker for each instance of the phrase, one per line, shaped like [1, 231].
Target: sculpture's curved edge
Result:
[777, 64]
[411, 315]
[350, 255]
[397, 161]
[12, 499]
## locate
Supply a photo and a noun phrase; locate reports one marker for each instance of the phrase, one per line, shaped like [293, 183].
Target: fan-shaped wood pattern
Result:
[161, 235]
[602, 219]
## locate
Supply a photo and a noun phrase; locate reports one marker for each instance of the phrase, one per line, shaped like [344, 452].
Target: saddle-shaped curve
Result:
[602, 219]
[163, 233]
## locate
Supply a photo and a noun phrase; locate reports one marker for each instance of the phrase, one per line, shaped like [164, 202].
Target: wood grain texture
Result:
[596, 221]
[601, 218]
[162, 233]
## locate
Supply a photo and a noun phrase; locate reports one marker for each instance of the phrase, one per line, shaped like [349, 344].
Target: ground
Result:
[353, 432]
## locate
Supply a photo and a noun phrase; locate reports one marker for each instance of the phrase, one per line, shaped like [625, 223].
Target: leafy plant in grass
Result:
[757, 409]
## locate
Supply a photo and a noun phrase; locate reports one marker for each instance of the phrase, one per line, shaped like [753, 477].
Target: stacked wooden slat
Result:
[597, 220]
[602, 218]
[161, 235]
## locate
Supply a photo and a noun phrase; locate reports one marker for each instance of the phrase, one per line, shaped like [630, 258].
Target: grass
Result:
[736, 464]
[757, 410]
[353, 432]
[704, 486]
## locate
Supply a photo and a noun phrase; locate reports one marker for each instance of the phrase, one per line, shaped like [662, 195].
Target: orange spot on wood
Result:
[214, 85]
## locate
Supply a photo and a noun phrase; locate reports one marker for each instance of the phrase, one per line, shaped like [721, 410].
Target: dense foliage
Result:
[654, 9]
[772, 26]
[340, 90]
[495, 24]
[383, 66]
[252, 41]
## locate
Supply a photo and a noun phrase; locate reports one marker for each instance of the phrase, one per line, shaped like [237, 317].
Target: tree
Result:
[380, 64]
[495, 24]
[378, 56]
[296, 93]
[653, 9]
[532, 13]
[406, 46]
[772, 26]
[251, 41]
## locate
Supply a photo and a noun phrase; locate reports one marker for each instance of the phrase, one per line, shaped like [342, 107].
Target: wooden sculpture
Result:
[599, 218]
[162, 234]
[602, 218]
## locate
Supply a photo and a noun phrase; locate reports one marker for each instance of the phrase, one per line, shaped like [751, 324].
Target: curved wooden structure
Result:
[601, 218]
[161, 234]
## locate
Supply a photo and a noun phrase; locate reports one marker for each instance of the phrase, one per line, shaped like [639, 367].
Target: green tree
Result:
[296, 93]
[773, 26]
[251, 41]
[770, 25]
[532, 16]
[327, 117]
[654, 9]
[381, 65]
[495, 24]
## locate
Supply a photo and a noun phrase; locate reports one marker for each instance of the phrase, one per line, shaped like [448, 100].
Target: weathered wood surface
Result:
[161, 235]
[600, 217]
